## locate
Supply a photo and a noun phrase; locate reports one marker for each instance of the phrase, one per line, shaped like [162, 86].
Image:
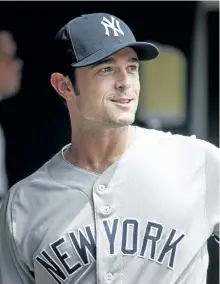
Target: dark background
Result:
[36, 123]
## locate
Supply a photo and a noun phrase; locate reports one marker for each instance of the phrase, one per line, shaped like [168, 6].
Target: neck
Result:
[97, 150]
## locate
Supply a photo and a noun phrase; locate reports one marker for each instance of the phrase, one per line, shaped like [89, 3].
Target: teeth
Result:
[122, 101]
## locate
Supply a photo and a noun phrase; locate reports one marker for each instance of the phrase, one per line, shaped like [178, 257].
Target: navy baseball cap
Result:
[90, 38]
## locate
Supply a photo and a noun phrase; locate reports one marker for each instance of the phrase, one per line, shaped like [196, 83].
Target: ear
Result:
[62, 85]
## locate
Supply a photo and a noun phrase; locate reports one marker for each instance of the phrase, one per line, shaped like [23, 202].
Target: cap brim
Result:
[144, 50]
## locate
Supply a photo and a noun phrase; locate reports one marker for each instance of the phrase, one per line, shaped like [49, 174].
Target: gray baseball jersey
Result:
[145, 220]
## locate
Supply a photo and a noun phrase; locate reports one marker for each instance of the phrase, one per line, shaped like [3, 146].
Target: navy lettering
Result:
[111, 234]
[51, 267]
[134, 225]
[152, 238]
[170, 247]
[84, 245]
[62, 257]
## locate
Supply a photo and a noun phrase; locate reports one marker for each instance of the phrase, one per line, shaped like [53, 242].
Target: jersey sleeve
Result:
[12, 267]
[212, 171]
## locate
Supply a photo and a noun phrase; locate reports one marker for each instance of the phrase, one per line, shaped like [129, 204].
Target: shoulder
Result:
[177, 143]
[165, 138]
[25, 190]
[26, 200]
[27, 193]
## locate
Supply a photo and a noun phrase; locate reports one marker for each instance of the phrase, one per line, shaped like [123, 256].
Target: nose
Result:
[122, 81]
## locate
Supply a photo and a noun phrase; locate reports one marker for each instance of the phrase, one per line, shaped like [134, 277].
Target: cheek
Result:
[104, 84]
[5, 74]
[9, 71]
[100, 89]
[90, 98]
[136, 85]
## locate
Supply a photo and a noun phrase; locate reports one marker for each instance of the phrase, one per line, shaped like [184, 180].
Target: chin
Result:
[10, 93]
[125, 120]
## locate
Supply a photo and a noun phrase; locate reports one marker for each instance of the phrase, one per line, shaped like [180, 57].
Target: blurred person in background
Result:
[10, 79]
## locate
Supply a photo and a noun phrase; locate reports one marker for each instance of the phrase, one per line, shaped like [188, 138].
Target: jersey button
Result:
[109, 276]
[106, 210]
[101, 188]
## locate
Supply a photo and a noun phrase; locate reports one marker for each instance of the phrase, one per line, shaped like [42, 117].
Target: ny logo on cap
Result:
[111, 25]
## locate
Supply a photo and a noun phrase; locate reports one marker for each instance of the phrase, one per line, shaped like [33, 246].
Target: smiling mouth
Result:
[122, 101]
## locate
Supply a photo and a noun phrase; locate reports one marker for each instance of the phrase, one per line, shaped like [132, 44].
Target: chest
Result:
[142, 212]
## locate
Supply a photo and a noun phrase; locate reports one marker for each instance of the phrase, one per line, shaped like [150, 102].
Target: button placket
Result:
[109, 277]
[104, 206]
[106, 210]
[102, 188]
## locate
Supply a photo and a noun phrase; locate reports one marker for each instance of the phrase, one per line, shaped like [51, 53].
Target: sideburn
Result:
[73, 78]
[76, 88]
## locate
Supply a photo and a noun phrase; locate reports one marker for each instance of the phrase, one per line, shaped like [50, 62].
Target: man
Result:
[119, 204]
[10, 78]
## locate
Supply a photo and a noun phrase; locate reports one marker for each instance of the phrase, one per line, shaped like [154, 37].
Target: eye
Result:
[132, 67]
[106, 70]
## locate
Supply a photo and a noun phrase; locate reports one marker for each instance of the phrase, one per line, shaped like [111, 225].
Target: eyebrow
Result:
[112, 60]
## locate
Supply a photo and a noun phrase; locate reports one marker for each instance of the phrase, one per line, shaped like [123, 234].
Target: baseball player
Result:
[119, 204]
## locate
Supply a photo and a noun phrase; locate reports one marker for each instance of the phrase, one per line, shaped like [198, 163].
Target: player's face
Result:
[109, 91]
[10, 67]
